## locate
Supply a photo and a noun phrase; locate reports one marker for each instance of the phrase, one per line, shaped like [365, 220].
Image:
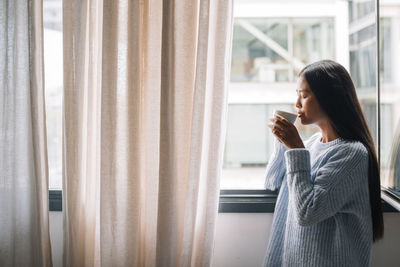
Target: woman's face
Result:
[309, 109]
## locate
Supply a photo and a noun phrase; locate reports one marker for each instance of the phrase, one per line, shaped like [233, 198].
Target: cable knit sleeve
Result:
[336, 180]
[276, 168]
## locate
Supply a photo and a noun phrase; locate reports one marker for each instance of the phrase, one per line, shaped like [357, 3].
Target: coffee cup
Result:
[287, 115]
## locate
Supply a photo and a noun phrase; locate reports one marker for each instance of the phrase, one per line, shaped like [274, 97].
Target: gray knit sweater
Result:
[322, 215]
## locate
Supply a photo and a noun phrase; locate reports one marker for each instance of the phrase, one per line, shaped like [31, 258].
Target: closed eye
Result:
[301, 93]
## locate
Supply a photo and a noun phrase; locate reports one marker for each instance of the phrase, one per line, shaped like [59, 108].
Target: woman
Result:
[328, 210]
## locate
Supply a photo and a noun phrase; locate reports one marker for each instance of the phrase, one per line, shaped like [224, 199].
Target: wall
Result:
[241, 240]
[56, 237]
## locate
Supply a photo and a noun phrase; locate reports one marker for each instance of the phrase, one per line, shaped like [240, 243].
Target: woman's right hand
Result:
[285, 132]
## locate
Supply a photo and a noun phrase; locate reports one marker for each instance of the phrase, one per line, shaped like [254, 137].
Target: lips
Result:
[300, 114]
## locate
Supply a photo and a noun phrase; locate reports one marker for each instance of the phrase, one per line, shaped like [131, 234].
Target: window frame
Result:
[243, 200]
[263, 201]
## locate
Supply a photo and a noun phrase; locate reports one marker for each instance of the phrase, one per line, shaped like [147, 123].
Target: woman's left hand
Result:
[286, 132]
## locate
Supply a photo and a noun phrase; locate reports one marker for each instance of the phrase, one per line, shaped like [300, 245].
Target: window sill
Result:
[241, 201]
[247, 201]
[391, 198]
[252, 201]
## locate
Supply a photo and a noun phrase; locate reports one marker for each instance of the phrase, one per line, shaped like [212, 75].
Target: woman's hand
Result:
[286, 132]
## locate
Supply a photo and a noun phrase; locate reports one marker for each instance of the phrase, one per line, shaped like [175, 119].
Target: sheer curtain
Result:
[24, 222]
[144, 117]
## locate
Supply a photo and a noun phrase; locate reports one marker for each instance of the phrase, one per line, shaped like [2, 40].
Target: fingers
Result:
[277, 130]
[281, 120]
[276, 123]
[274, 127]
[279, 127]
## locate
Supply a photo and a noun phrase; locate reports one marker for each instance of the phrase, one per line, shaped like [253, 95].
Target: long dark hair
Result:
[332, 85]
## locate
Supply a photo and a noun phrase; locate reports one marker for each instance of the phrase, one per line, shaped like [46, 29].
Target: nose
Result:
[298, 103]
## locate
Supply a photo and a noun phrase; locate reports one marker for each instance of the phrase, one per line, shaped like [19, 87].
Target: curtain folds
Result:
[24, 221]
[145, 97]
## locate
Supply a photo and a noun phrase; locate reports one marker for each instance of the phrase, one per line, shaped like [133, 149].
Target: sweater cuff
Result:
[297, 159]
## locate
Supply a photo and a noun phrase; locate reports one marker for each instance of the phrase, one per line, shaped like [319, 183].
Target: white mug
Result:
[287, 115]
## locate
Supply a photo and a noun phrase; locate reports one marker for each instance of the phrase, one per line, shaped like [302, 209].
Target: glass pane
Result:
[275, 49]
[390, 93]
[267, 54]
[53, 62]
[360, 9]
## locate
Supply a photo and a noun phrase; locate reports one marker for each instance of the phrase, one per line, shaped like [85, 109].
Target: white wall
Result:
[241, 240]
[56, 237]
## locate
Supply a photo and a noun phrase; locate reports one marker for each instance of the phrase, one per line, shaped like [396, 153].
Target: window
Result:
[53, 62]
[362, 50]
[272, 42]
[390, 94]
[269, 49]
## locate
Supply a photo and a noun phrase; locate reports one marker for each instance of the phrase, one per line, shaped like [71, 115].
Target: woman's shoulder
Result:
[353, 146]
[349, 152]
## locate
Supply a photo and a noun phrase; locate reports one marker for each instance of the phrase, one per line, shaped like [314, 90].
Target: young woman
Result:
[328, 211]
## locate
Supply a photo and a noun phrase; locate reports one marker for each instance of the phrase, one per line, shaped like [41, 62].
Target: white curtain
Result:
[145, 96]
[24, 222]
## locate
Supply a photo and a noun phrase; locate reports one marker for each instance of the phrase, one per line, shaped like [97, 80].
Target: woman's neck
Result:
[327, 131]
